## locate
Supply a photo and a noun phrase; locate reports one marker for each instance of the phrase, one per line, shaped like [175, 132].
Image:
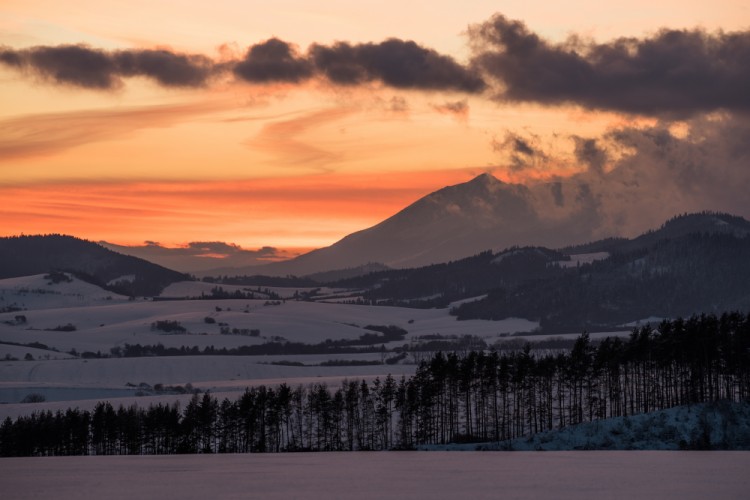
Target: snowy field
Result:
[392, 475]
[74, 315]
[103, 320]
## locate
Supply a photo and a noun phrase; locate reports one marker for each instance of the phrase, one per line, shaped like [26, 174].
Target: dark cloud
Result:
[83, 66]
[522, 153]
[516, 144]
[460, 108]
[396, 63]
[521, 146]
[71, 64]
[167, 68]
[673, 72]
[273, 61]
[588, 152]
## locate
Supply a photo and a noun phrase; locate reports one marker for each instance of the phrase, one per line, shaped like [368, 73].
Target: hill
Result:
[31, 255]
[721, 425]
[693, 263]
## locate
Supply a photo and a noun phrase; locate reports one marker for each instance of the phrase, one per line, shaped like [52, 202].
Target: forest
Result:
[478, 396]
[692, 264]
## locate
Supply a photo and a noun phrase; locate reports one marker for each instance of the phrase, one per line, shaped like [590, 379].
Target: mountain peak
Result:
[486, 179]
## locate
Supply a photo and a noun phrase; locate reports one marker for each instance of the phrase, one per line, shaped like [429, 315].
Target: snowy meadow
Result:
[393, 475]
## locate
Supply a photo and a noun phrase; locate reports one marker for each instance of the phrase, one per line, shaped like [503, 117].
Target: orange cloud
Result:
[50, 133]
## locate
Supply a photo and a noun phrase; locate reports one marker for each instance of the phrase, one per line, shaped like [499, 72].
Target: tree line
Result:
[479, 396]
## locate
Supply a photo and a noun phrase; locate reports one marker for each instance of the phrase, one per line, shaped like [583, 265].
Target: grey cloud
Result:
[673, 72]
[456, 108]
[660, 175]
[167, 68]
[588, 152]
[521, 152]
[397, 63]
[83, 66]
[273, 61]
[521, 146]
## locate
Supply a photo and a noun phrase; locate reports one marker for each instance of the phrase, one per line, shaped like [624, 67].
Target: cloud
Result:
[281, 138]
[522, 153]
[199, 256]
[401, 64]
[90, 68]
[588, 152]
[168, 68]
[397, 63]
[460, 109]
[49, 133]
[657, 176]
[273, 61]
[671, 73]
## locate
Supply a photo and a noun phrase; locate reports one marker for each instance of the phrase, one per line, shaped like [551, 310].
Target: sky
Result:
[281, 126]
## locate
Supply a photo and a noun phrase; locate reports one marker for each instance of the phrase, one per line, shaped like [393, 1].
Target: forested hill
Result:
[693, 263]
[28, 255]
[672, 277]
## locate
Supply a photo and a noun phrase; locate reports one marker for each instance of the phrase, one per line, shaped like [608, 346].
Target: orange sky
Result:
[290, 166]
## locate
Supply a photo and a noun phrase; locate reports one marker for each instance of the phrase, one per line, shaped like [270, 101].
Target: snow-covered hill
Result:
[720, 425]
[41, 292]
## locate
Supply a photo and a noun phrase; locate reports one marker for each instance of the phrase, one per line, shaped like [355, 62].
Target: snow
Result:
[188, 289]
[36, 292]
[19, 352]
[103, 320]
[99, 327]
[652, 320]
[582, 258]
[727, 424]
[127, 278]
[457, 303]
[393, 475]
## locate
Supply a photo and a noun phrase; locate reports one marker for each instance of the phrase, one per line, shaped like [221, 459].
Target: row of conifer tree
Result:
[475, 396]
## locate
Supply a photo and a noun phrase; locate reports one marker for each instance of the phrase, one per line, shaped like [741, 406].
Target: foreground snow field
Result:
[392, 475]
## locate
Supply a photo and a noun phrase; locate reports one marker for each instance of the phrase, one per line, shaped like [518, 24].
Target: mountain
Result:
[28, 255]
[451, 223]
[694, 263]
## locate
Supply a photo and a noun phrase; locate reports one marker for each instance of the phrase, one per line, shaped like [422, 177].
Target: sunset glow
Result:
[169, 138]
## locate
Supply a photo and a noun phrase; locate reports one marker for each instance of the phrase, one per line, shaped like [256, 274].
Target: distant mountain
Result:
[451, 223]
[28, 255]
[694, 263]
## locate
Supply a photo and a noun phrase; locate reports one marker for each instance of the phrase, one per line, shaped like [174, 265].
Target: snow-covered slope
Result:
[721, 425]
[38, 292]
